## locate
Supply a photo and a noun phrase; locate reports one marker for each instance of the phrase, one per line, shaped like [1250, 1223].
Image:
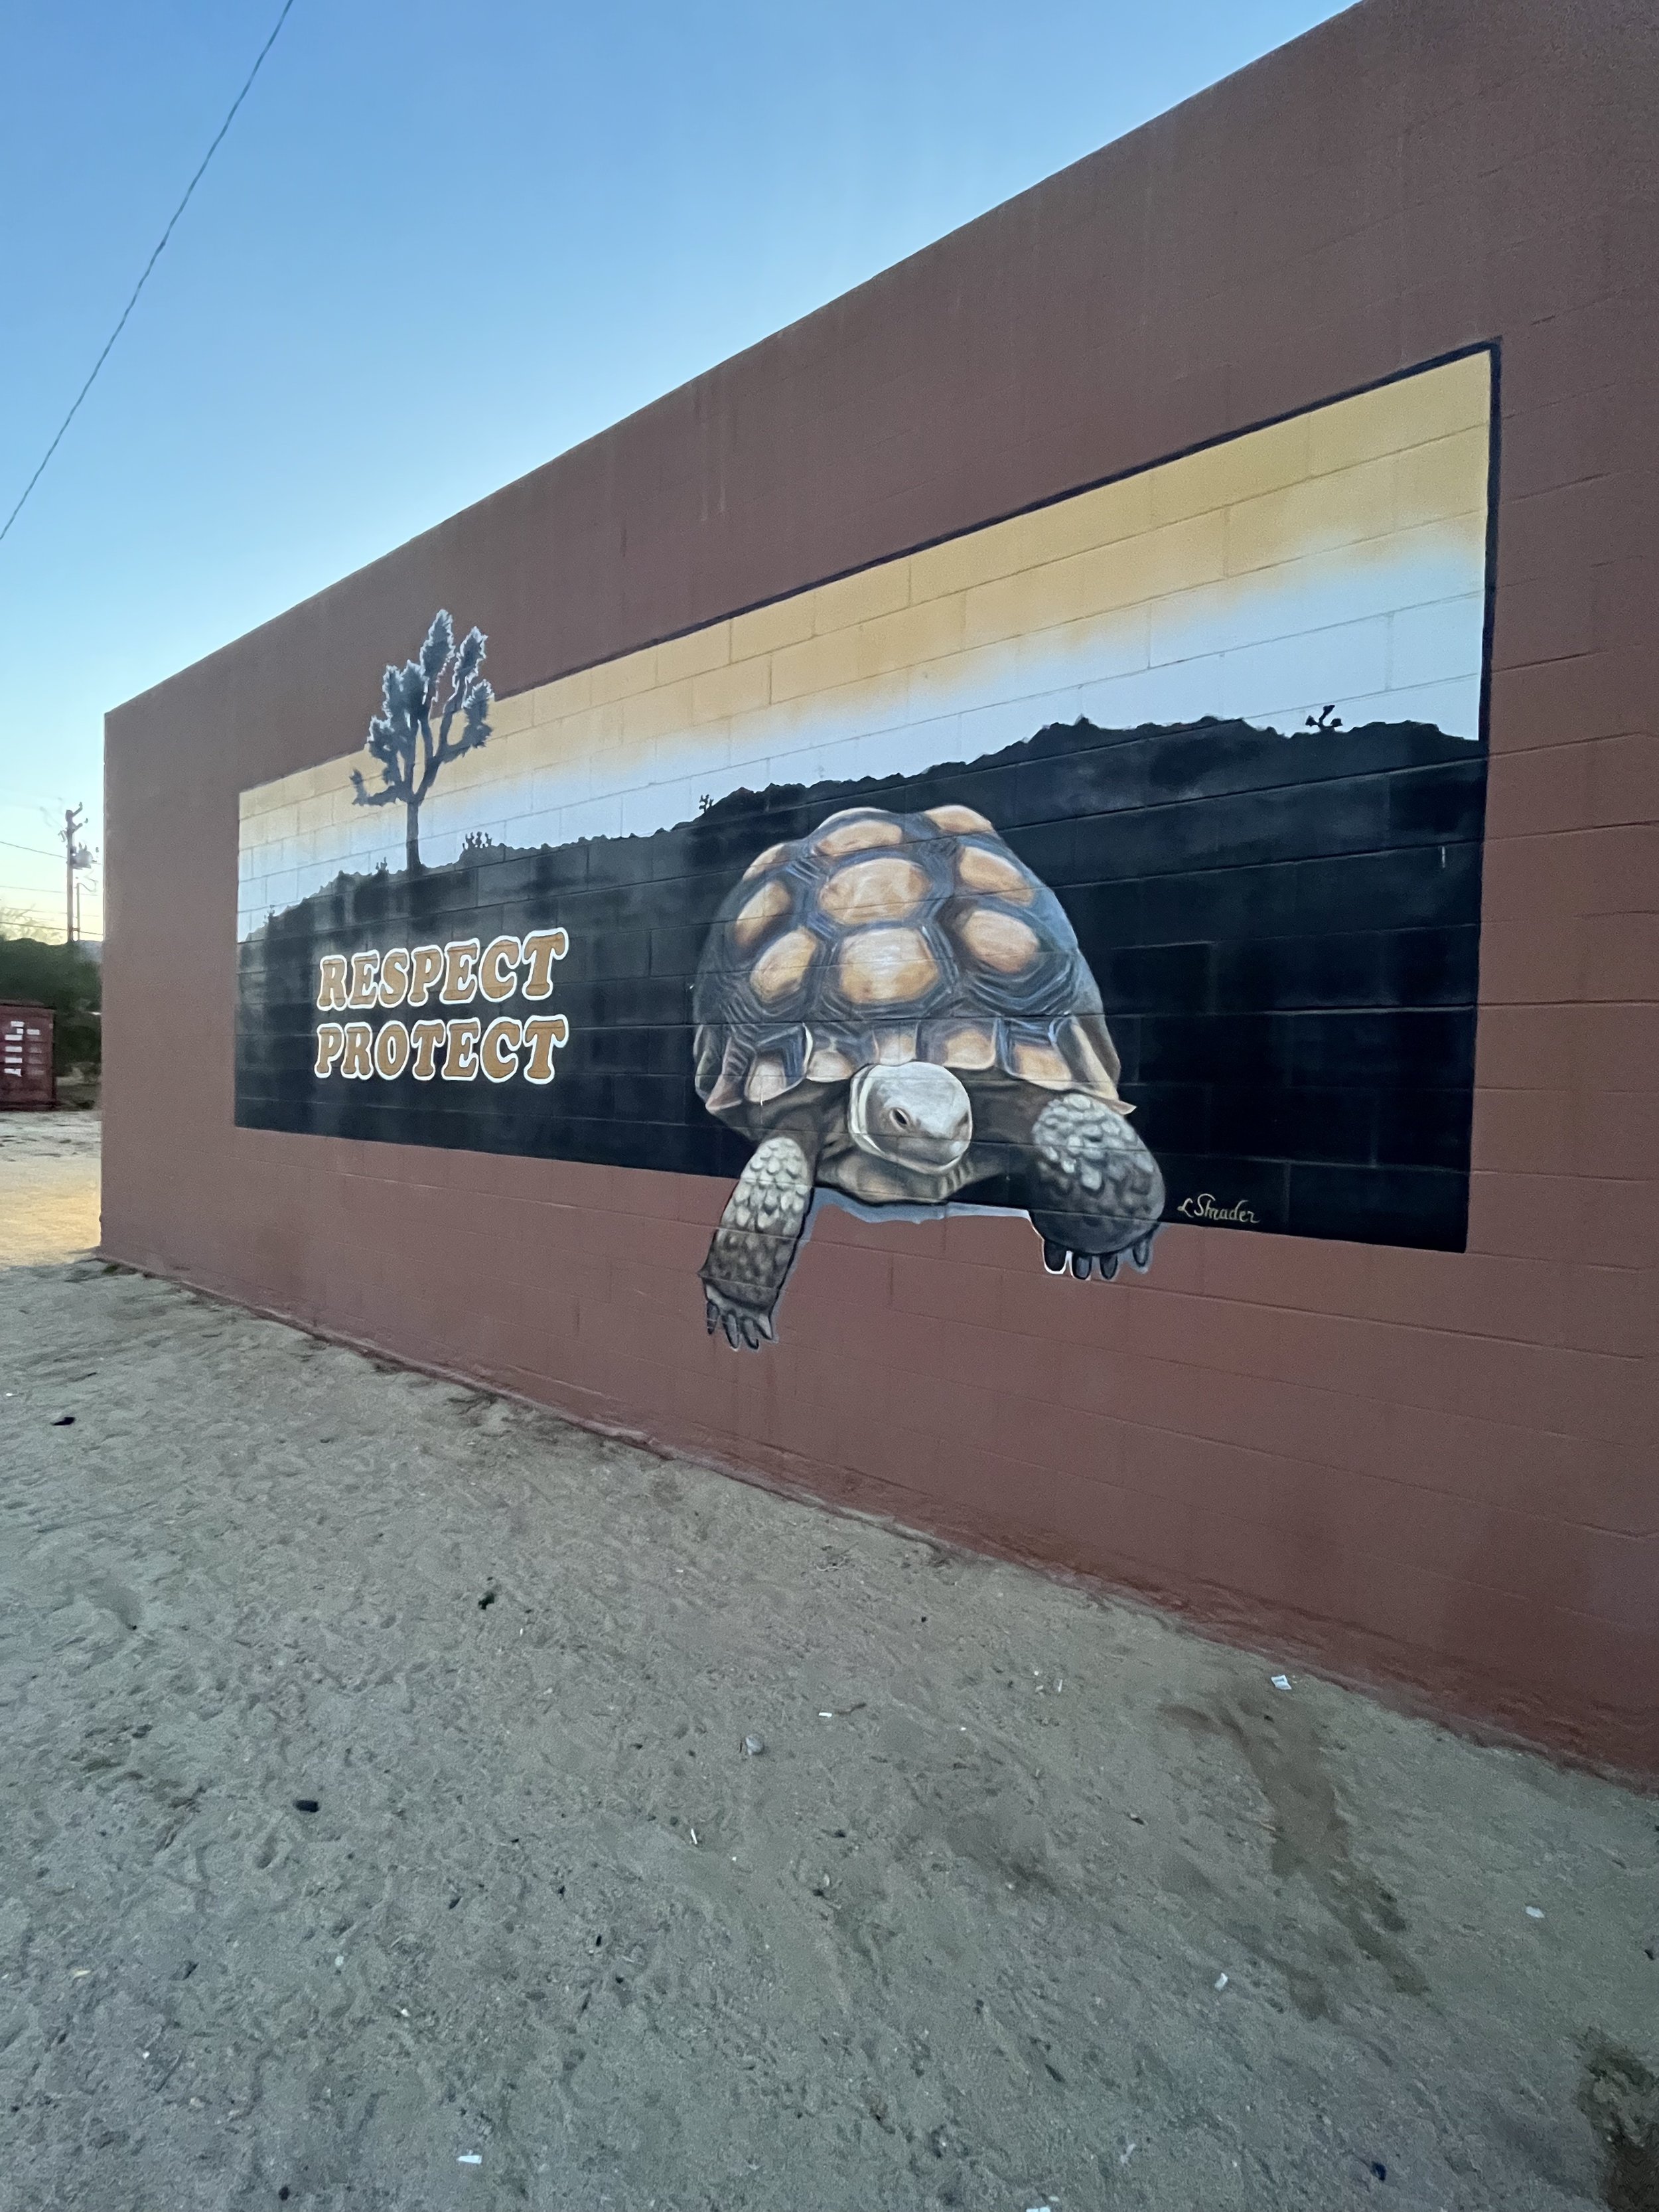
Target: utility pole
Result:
[76, 856]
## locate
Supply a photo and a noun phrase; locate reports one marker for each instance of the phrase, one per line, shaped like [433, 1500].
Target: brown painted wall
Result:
[1436, 1469]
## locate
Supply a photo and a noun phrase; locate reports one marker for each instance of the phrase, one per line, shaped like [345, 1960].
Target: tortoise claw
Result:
[1058, 1260]
[743, 1331]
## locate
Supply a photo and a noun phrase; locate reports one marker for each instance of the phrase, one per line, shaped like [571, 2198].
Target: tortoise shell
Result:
[884, 938]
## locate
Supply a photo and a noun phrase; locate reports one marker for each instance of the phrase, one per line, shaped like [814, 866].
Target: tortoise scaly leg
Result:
[754, 1247]
[1096, 1192]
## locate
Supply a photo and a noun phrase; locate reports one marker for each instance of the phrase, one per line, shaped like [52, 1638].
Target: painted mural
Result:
[1115, 863]
[894, 1009]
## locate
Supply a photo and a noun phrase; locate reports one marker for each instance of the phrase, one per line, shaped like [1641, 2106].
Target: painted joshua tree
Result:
[442, 683]
[896, 1008]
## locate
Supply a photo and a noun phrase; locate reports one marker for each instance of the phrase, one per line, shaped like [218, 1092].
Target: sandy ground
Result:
[48, 1185]
[378, 1833]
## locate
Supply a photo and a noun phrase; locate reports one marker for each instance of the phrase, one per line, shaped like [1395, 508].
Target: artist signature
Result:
[1203, 1208]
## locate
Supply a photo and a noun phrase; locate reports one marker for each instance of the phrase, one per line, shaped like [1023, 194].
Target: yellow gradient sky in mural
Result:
[1337, 558]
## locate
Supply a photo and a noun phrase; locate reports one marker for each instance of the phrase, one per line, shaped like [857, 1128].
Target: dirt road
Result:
[379, 1832]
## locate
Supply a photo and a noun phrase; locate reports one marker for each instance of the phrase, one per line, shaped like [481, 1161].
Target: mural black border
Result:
[1489, 347]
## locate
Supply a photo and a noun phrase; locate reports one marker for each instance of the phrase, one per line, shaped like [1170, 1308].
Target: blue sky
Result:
[435, 250]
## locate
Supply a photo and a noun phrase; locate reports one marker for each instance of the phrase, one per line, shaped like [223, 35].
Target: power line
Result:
[40, 851]
[149, 265]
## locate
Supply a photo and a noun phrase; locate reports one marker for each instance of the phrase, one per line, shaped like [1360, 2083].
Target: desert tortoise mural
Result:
[894, 1007]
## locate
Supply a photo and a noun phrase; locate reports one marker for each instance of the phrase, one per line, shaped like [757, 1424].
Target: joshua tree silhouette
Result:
[443, 682]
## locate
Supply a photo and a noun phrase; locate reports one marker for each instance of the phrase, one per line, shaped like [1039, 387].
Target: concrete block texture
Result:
[1431, 1468]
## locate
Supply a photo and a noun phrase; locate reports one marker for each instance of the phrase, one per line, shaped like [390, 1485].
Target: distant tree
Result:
[442, 684]
[21, 921]
[64, 978]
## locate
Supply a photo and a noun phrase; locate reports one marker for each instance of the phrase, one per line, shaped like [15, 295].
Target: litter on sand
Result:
[753, 1746]
[1221, 1981]
[469, 2158]
[1281, 1681]
[1534, 1912]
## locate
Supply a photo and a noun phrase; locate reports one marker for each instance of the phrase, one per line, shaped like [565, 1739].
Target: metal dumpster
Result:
[26, 1076]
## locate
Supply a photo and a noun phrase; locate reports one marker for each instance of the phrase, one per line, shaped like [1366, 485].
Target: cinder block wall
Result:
[1431, 1469]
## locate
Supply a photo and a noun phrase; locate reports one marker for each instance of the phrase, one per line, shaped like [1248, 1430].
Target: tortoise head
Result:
[917, 1115]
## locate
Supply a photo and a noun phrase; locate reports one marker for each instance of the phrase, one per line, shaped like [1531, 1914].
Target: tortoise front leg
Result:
[754, 1247]
[1096, 1190]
